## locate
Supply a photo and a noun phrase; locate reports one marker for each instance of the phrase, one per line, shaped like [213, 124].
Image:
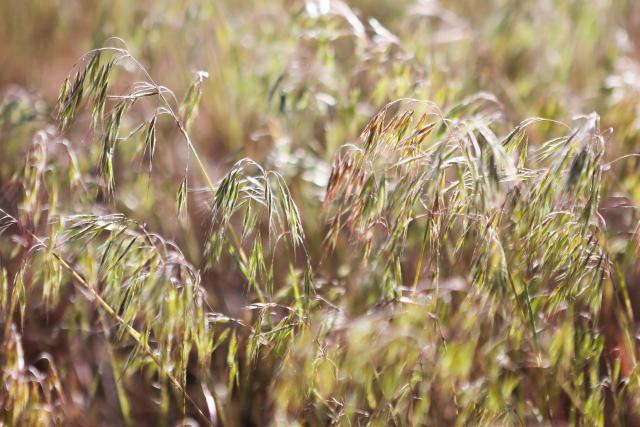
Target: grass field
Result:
[319, 212]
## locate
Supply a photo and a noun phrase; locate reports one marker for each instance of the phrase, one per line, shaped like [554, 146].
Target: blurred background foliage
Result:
[378, 337]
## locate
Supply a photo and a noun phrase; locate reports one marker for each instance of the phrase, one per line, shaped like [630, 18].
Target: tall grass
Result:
[358, 234]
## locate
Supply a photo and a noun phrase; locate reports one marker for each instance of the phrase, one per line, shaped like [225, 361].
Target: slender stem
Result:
[205, 175]
[416, 277]
[193, 150]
